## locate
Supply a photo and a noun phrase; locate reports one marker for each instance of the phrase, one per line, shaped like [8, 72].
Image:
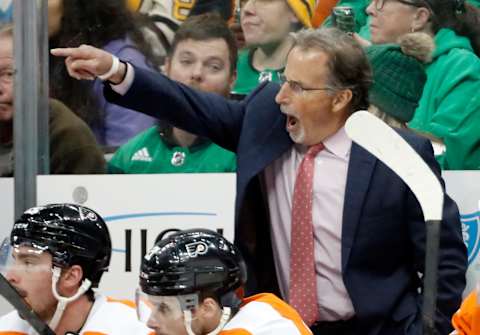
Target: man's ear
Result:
[341, 100]
[209, 308]
[70, 280]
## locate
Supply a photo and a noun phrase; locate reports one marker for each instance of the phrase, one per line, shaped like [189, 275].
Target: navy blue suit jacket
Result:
[383, 233]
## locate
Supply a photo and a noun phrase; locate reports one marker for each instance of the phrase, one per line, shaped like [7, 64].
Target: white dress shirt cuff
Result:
[124, 86]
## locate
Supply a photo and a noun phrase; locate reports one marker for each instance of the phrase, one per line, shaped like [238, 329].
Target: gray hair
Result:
[347, 63]
[6, 29]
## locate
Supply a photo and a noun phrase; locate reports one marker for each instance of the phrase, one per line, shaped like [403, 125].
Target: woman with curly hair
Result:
[106, 24]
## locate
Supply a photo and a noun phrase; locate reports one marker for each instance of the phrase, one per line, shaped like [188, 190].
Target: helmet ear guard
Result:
[188, 302]
[64, 301]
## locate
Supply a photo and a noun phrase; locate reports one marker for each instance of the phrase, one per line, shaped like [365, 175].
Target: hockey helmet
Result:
[71, 233]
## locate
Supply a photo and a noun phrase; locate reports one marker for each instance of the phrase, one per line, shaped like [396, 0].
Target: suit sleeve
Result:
[204, 114]
[452, 253]
[119, 123]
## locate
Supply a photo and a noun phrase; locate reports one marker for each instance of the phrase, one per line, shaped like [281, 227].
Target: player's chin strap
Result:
[226, 312]
[63, 301]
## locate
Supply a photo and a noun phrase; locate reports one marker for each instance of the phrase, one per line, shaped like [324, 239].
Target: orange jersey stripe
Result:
[128, 303]
[236, 331]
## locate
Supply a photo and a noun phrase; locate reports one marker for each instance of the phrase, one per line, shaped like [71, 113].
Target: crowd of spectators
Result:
[141, 32]
[259, 109]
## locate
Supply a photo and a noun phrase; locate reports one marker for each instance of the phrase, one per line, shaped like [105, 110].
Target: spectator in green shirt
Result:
[450, 105]
[203, 56]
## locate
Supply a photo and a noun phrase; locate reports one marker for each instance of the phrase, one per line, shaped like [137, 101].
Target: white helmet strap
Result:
[226, 312]
[63, 301]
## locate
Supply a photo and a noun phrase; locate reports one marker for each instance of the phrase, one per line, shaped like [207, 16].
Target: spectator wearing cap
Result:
[450, 105]
[398, 81]
[266, 26]
[398, 77]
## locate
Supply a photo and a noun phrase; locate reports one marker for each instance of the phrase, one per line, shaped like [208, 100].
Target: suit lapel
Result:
[360, 169]
[278, 142]
[272, 147]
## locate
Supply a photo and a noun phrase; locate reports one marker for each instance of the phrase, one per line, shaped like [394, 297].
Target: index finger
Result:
[67, 52]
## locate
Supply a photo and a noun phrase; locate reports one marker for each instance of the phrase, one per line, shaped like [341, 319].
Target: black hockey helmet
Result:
[192, 261]
[72, 234]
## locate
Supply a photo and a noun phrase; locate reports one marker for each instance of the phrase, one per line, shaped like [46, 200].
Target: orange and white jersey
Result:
[107, 317]
[466, 320]
[265, 314]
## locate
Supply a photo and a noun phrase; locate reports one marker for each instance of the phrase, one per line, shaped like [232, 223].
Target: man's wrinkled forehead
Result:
[6, 62]
[6, 47]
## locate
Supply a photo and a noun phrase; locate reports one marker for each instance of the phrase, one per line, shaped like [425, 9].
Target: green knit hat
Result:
[399, 74]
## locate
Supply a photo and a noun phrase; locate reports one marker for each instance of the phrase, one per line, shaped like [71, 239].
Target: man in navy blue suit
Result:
[365, 247]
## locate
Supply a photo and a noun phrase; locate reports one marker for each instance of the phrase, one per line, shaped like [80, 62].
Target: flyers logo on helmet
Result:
[196, 248]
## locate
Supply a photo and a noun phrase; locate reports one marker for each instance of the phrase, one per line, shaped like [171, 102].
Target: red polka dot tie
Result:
[303, 289]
